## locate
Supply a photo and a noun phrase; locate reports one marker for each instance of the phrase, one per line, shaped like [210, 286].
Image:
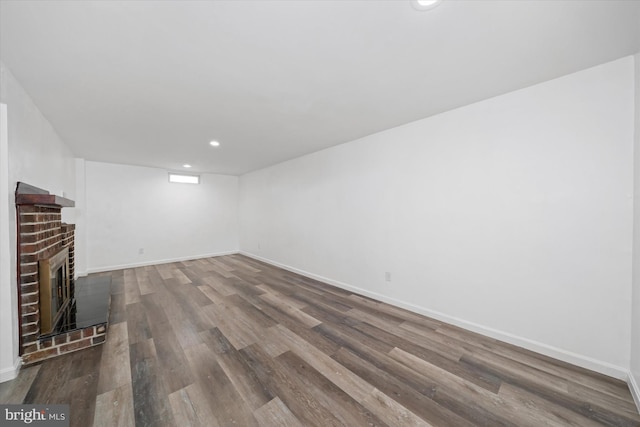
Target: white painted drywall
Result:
[8, 322]
[79, 212]
[635, 307]
[128, 208]
[37, 156]
[511, 216]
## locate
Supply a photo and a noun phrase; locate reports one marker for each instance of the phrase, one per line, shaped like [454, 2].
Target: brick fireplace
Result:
[43, 236]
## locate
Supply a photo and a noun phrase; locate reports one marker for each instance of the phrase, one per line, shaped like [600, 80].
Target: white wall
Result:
[8, 294]
[129, 208]
[37, 156]
[635, 324]
[512, 216]
[79, 211]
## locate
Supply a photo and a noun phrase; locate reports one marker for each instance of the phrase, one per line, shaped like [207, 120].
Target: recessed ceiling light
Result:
[425, 4]
[186, 166]
[214, 144]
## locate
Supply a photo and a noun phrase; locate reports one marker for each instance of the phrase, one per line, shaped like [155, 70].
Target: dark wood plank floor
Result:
[232, 341]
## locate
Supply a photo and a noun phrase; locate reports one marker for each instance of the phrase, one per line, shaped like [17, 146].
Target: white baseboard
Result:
[153, 262]
[538, 347]
[7, 374]
[635, 389]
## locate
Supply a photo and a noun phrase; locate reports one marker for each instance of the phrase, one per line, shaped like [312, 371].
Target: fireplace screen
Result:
[55, 289]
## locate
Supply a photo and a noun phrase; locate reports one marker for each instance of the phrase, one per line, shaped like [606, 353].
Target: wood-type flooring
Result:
[230, 341]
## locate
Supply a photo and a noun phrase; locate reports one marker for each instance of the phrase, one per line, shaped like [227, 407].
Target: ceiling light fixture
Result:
[214, 144]
[425, 4]
[186, 166]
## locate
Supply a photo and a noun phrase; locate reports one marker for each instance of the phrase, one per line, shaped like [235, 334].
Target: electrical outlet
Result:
[387, 276]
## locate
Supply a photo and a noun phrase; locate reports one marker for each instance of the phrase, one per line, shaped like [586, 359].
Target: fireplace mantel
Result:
[29, 195]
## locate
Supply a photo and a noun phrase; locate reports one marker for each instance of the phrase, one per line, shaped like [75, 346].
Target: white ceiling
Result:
[151, 82]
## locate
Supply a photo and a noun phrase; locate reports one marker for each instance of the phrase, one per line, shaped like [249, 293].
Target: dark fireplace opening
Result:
[55, 289]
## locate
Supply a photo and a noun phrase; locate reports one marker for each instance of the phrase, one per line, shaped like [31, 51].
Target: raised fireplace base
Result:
[83, 325]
